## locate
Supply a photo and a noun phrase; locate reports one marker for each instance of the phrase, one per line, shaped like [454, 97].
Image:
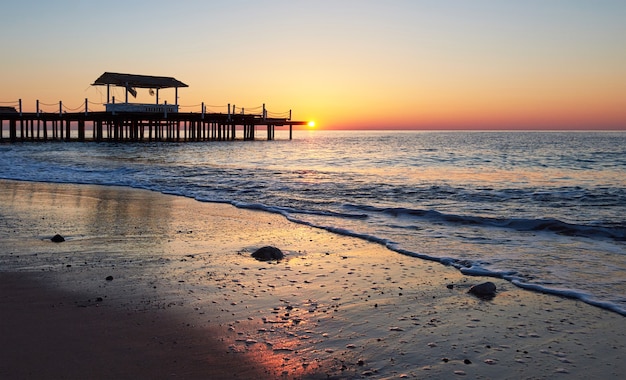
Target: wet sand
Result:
[156, 286]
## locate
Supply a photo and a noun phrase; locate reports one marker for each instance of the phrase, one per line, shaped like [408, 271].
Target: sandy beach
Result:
[151, 286]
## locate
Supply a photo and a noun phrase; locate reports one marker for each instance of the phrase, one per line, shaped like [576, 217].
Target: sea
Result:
[543, 210]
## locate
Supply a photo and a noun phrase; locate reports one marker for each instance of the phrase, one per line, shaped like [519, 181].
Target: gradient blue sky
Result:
[346, 64]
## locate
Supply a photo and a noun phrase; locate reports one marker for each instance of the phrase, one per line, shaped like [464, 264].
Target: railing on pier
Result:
[126, 123]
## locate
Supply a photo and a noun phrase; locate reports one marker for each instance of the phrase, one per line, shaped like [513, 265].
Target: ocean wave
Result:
[615, 231]
[469, 267]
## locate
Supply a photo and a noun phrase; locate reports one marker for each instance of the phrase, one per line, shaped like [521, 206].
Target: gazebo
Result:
[131, 82]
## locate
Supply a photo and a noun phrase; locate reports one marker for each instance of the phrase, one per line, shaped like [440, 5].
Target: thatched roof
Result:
[137, 81]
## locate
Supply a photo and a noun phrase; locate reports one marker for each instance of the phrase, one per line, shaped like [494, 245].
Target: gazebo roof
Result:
[137, 81]
[5, 109]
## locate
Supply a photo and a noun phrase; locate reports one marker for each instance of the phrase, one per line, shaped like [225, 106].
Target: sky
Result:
[346, 64]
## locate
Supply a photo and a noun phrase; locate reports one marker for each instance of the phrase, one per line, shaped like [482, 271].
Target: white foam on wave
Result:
[467, 267]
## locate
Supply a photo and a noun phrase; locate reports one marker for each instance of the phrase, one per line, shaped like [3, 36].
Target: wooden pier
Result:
[136, 121]
[143, 126]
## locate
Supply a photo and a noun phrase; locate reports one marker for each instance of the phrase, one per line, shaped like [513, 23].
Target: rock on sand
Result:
[484, 290]
[268, 253]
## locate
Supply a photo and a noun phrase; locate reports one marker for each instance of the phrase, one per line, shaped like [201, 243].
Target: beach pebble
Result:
[268, 253]
[109, 278]
[484, 290]
[57, 239]
[282, 349]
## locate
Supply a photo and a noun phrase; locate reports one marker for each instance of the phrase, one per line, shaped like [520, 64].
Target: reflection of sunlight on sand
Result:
[280, 353]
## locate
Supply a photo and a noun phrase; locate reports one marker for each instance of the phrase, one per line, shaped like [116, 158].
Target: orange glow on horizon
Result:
[377, 65]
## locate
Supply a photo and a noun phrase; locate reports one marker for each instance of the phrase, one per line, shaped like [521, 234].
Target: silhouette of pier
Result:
[138, 121]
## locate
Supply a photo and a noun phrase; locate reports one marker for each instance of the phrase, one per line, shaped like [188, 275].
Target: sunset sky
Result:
[440, 64]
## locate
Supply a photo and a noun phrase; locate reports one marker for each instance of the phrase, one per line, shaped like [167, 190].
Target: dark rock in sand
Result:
[486, 290]
[109, 278]
[58, 238]
[268, 253]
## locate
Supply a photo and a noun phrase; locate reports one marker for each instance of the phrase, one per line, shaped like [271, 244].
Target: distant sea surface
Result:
[544, 210]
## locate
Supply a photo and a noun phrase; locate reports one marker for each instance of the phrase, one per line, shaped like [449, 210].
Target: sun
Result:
[311, 124]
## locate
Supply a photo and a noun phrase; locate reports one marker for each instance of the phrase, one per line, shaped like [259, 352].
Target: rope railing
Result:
[75, 109]
[232, 109]
[215, 109]
[277, 114]
[191, 106]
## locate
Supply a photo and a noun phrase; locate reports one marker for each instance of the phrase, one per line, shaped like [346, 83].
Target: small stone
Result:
[109, 278]
[486, 290]
[450, 286]
[57, 239]
[467, 361]
[268, 253]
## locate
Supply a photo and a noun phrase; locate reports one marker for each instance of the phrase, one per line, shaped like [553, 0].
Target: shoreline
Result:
[336, 307]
